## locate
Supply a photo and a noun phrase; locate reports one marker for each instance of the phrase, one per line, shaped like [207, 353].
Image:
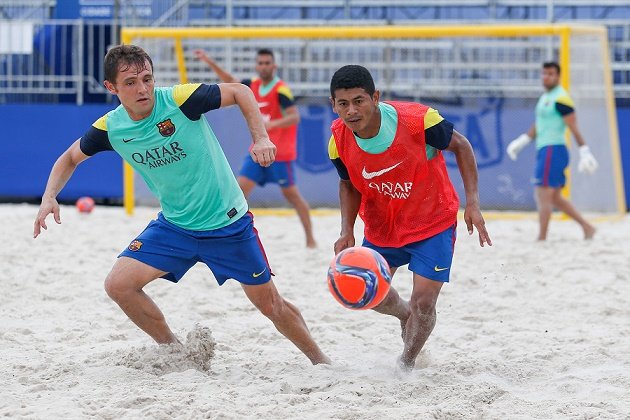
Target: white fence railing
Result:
[65, 56]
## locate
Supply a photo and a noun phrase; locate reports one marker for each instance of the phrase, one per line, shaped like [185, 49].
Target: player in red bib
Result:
[393, 175]
[281, 115]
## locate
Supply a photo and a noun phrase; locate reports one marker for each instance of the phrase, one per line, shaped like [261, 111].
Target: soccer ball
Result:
[359, 278]
[85, 204]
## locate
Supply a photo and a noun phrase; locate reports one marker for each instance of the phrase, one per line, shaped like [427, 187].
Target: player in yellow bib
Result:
[163, 134]
[554, 113]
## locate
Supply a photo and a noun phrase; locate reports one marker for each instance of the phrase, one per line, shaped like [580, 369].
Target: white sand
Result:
[525, 330]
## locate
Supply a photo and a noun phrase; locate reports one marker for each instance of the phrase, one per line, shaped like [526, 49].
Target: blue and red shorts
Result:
[551, 162]
[430, 258]
[231, 252]
[281, 173]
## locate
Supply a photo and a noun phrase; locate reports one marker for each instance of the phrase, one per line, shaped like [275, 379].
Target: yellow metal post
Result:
[565, 81]
[181, 62]
[128, 184]
[614, 132]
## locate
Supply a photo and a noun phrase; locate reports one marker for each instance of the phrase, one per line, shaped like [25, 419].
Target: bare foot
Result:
[311, 244]
[589, 232]
[321, 360]
[405, 365]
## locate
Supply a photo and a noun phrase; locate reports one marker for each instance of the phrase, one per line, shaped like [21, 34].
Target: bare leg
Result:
[396, 306]
[421, 319]
[124, 285]
[293, 196]
[246, 184]
[286, 318]
[544, 200]
[565, 205]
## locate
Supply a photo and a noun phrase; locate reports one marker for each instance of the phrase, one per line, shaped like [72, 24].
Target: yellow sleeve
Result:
[333, 153]
[101, 123]
[284, 90]
[431, 118]
[565, 100]
[182, 92]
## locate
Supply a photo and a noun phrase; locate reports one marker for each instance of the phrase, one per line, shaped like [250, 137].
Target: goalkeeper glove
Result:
[518, 144]
[587, 162]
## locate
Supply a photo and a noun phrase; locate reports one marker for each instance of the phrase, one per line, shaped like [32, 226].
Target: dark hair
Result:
[552, 65]
[265, 51]
[129, 55]
[352, 76]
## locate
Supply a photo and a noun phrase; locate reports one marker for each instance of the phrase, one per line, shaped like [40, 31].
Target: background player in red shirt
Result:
[393, 174]
[281, 115]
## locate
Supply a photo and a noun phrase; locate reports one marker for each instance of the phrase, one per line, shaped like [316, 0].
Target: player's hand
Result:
[263, 152]
[518, 144]
[201, 55]
[344, 241]
[587, 163]
[473, 217]
[49, 205]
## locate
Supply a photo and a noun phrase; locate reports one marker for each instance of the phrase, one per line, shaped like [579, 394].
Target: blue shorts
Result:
[231, 252]
[281, 173]
[551, 161]
[430, 258]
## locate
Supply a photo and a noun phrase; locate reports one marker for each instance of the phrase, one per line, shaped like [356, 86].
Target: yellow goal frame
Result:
[563, 32]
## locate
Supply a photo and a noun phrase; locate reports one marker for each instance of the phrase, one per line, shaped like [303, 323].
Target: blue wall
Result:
[623, 120]
[33, 136]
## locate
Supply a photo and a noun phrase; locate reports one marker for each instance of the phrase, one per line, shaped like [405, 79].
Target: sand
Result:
[525, 330]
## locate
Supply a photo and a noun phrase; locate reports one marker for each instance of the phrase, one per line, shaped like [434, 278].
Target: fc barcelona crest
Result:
[166, 127]
[135, 245]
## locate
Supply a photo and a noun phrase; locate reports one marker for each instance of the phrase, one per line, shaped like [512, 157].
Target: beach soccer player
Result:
[554, 113]
[393, 175]
[163, 134]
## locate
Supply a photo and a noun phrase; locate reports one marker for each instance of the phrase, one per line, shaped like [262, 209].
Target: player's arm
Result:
[532, 131]
[349, 200]
[263, 151]
[61, 172]
[439, 133]
[349, 203]
[223, 75]
[587, 162]
[460, 146]
[571, 121]
[566, 108]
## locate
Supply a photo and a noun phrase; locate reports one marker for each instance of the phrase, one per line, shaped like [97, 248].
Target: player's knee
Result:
[272, 307]
[115, 287]
[290, 194]
[423, 305]
[545, 204]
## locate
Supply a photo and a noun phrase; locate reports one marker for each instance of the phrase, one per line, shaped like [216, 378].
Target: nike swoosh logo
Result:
[262, 104]
[436, 268]
[370, 175]
[128, 140]
[259, 274]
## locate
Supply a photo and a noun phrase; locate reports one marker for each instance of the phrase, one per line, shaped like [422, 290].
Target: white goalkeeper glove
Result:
[587, 162]
[518, 144]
